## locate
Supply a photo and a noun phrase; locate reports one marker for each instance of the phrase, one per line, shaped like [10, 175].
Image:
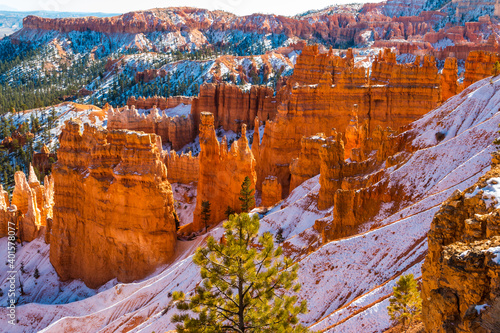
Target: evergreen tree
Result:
[405, 304]
[496, 68]
[246, 196]
[205, 213]
[246, 285]
[229, 211]
[36, 275]
[279, 236]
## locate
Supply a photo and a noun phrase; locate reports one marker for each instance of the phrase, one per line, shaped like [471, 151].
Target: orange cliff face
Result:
[31, 206]
[307, 165]
[178, 130]
[232, 107]
[113, 212]
[271, 191]
[183, 168]
[321, 95]
[479, 65]
[461, 272]
[161, 103]
[221, 172]
[354, 187]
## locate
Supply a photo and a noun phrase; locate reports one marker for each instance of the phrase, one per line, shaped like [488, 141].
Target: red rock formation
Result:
[5, 214]
[479, 65]
[461, 273]
[307, 165]
[271, 191]
[232, 106]
[161, 103]
[30, 208]
[221, 172]
[178, 130]
[394, 95]
[449, 85]
[113, 213]
[44, 159]
[182, 169]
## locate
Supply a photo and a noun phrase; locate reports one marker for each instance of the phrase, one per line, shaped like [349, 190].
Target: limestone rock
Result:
[479, 65]
[178, 130]
[271, 191]
[30, 208]
[113, 212]
[461, 273]
[307, 165]
[221, 172]
[183, 168]
[232, 107]
[322, 92]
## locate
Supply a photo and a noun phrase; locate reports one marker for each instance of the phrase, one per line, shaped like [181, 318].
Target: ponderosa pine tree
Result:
[205, 213]
[229, 211]
[405, 304]
[246, 195]
[246, 285]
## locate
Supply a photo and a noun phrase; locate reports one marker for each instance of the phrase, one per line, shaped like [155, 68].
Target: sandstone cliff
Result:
[307, 165]
[178, 130]
[321, 95]
[161, 103]
[478, 66]
[30, 208]
[183, 168]
[113, 212]
[232, 107]
[271, 191]
[221, 172]
[461, 273]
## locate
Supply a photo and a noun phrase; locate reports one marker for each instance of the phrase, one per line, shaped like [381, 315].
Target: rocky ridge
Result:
[461, 273]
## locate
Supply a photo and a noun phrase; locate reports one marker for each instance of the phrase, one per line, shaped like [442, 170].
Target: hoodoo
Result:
[113, 212]
[221, 171]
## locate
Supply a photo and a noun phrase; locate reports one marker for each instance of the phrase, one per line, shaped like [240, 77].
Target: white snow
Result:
[496, 252]
[490, 193]
[179, 110]
[481, 308]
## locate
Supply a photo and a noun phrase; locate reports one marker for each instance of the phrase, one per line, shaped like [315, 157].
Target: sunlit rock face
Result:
[113, 213]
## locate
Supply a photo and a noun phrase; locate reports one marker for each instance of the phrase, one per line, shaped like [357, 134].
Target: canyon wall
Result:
[232, 107]
[161, 103]
[307, 165]
[322, 94]
[113, 212]
[221, 172]
[183, 168]
[271, 191]
[178, 130]
[479, 65]
[461, 273]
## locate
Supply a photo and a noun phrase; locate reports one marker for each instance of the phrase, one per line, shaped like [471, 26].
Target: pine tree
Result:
[496, 68]
[229, 211]
[246, 285]
[405, 304]
[279, 236]
[36, 274]
[205, 213]
[246, 196]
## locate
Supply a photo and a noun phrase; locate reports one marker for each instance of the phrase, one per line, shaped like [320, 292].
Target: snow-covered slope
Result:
[347, 281]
